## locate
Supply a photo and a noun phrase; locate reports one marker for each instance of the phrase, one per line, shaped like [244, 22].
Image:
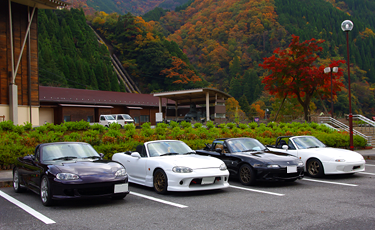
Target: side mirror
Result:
[101, 155]
[219, 150]
[135, 154]
[285, 147]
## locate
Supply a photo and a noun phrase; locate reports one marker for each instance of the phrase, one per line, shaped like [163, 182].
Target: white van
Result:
[123, 119]
[106, 120]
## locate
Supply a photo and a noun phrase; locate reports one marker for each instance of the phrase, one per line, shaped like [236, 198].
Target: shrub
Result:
[173, 124]
[242, 126]
[231, 125]
[185, 124]
[146, 125]
[210, 124]
[253, 125]
[75, 137]
[98, 127]
[115, 126]
[27, 125]
[197, 125]
[7, 125]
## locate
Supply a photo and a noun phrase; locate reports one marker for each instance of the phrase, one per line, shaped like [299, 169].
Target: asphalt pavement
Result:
[6, 176]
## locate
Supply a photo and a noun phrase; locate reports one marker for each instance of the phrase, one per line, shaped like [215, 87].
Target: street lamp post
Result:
[347, 26]
[330, 70]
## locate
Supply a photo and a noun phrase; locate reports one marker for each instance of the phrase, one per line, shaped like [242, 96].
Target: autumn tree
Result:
[293, 73]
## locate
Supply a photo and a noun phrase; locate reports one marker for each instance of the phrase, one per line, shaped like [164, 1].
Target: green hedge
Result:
[20, 140]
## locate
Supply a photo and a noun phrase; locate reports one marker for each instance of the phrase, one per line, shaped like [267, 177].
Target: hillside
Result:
[136, 7]
[70, 55]
[226, 40]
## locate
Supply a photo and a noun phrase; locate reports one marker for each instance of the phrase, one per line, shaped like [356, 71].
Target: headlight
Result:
[300, 164]
[67, 176]
[340, 160]
[120, 173]
[273, 166]
[223, 167]
[181, 169]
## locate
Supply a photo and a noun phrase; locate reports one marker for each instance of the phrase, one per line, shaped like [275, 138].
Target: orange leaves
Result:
[181, 70]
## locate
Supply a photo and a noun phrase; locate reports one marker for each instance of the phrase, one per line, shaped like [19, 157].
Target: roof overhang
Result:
[86, 106]
[197, 96]
[42, 4]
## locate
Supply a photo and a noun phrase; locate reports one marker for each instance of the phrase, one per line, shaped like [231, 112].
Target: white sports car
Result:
[171, 165]
[318, 158]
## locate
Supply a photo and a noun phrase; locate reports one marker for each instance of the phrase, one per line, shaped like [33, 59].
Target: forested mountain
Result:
[156, 63]
[220, 44]
[70, 55]
[226, 40]
[136, 7]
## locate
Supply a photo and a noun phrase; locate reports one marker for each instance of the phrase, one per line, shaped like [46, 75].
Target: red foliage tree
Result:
[293, 73]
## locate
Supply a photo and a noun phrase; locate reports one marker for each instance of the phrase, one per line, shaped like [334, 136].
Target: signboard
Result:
[159, 117]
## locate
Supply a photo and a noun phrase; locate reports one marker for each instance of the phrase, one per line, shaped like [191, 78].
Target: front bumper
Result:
[331, 167]
[198, 180]
[279, 174]
[72, 190]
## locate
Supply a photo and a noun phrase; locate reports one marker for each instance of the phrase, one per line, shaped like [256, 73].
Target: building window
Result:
[90, 119]
[145, 118]
[220, 115]
[66, 118]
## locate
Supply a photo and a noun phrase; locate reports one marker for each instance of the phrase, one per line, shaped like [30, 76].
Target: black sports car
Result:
[250, 160]
[64, 170]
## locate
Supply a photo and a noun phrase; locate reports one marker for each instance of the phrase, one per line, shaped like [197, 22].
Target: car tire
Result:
[16, 182]
[118, 197]
[314, 168]
[246, 175]
[45, 191]
[160, 181]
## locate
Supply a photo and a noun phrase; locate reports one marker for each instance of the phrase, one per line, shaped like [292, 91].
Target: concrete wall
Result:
[23, 114]
[46, 115]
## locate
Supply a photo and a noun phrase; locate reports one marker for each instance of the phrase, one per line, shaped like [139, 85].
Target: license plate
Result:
[121, 188]
[208, 180]
[291, 169]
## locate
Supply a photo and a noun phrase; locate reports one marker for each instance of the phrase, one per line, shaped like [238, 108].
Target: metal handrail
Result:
[365, 119]
[342, 126]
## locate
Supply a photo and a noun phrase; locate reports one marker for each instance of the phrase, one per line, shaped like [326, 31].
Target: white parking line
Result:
[159, 200]
[330, 182]
[369, 165]
[367, 173]
[255, 190]
[28, 209]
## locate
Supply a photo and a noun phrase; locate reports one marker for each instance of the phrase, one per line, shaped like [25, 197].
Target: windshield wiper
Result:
[91, 157]
[65, 158]
[250, 150]
[189, 153]
[310, 147]
[169, 154]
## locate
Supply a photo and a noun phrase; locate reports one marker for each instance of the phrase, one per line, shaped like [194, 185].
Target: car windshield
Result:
[68, 151]
[109, 117]
[245, 145]
[308, 142]
[166, 148]
[126, 116]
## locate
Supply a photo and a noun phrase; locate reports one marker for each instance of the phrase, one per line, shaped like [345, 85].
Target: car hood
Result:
[271, 157]
[336, 153]
[192, 161]
[89, 168]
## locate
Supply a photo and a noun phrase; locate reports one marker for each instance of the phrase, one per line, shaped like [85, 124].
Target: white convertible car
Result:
[318, 158]
[171, 165]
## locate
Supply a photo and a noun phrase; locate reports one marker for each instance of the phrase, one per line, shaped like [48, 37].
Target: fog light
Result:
[181, 182]
[225, 178]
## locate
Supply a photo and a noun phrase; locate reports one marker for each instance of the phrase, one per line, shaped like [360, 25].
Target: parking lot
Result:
[332, 202]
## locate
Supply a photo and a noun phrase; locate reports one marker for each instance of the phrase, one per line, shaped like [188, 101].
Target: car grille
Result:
[93, 191]
[198, 181]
